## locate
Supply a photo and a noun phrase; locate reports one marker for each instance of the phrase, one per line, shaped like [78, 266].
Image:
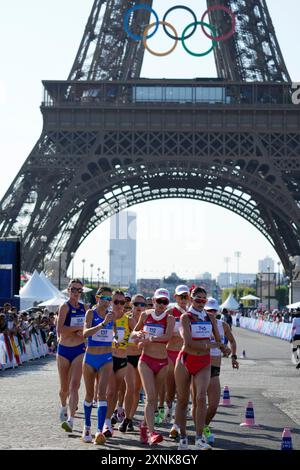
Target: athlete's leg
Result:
[136, 393]
[213, 394]
[149, 386]
[63, 366]
[182, 380]
[130, 390]
[170, 385]
[201, 381]
[75, 377]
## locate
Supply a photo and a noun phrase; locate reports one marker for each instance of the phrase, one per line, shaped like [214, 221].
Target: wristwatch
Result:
[234, 356]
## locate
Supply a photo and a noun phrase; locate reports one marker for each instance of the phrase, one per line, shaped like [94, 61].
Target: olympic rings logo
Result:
[213, 29]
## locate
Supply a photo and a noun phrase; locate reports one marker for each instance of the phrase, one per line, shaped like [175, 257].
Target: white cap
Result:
[182, 289]
[162, 294]
[211, 304]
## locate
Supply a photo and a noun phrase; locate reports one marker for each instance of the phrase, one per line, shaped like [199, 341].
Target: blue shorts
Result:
[70, 352]
[96, 361]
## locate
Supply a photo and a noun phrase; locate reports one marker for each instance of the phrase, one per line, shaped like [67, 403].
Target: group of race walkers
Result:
[122, 346]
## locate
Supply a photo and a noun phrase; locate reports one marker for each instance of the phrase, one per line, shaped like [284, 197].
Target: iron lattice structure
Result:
[109, 142]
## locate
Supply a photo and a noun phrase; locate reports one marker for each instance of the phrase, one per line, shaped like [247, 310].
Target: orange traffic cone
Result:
[249, 417]
[286, 440]
[226, 397]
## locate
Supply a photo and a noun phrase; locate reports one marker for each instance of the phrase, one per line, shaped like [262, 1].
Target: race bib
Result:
[177, 325]
[104, 336]
[121, 333]
[77, 321]
[153, 330]
[201, 330]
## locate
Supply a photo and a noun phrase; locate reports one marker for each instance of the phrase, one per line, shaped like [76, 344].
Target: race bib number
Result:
[154, 330]
[104, 336]
[77, 321]
[201, 330]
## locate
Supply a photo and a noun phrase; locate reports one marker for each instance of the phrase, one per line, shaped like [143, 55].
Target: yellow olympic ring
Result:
[159, 54]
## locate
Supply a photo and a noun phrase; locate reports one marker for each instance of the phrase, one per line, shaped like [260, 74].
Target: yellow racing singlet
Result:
[123, 332]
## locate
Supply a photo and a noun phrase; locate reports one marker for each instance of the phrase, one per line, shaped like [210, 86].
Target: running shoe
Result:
[130, 427]
[155, 438]
[157, 418]
[107, 431]
[63, 415]
[86, 435]
[121, 415]
[123, 425]
[161, 412]
[143, 433]
[114, 417]
[174, 433]
[183, 444]
[209, 436]
[200, 444]
[67, 426]
[298, 365]
[99, 438]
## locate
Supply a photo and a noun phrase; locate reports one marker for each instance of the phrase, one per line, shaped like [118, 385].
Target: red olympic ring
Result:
[224, 36]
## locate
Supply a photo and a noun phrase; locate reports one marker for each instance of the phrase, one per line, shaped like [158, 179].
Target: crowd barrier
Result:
[14, 350]
[277, 330]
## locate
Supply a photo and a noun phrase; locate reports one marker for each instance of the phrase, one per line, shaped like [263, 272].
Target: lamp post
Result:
[43, 241]
[278, 264]
[59, 272]
[103, 272]
[98, 276]
[72, 257]
[268, 268]
[237, 254]
[83, 261]
[91, 265]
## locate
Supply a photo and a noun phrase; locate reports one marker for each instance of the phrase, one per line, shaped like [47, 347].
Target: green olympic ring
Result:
[214, 43]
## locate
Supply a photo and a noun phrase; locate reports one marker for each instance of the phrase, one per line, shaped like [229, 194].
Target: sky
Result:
[39, 40]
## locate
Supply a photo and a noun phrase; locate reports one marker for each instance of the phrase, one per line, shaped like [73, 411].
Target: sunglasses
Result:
[183, 297]
[199, 300]
[121, 302]
[162, 301]
[139, 304]
[104, 297]
[74, 290]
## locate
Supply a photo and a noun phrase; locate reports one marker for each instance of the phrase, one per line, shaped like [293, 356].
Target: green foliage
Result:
[282, 295]
[238, 293]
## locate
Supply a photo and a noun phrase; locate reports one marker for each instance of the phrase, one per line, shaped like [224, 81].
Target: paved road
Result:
[29, 403]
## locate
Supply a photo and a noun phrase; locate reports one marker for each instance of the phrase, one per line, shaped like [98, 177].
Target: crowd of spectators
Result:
[275, 315]
[25, 323]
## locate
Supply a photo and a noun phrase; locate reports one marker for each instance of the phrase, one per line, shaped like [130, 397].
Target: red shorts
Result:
[154, 364]
[172, 355]
[194, 363]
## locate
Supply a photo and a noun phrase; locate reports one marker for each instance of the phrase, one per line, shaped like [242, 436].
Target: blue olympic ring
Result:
[144, 6]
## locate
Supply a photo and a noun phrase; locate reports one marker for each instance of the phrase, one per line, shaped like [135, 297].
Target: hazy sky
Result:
[39, 40]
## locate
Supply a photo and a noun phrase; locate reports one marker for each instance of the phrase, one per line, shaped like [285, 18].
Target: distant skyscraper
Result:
[263, 265]
[122, 250]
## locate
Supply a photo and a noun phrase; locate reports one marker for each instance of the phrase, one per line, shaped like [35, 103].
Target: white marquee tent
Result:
[36, 290]
[230, 303]
[55, 302]
[49, 283]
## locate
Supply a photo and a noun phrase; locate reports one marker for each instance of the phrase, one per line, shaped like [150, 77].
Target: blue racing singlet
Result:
[104, 336]
[75, 316]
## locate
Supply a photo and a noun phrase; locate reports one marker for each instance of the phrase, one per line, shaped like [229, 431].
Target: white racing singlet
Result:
[216, 352]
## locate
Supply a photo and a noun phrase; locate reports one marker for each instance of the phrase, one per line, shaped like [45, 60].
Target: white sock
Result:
[71, 421]
[120, 409]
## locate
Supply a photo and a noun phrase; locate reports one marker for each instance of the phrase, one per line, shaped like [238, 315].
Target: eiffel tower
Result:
[111, 139]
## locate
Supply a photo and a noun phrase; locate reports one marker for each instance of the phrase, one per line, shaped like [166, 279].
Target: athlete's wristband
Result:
[234, 356]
